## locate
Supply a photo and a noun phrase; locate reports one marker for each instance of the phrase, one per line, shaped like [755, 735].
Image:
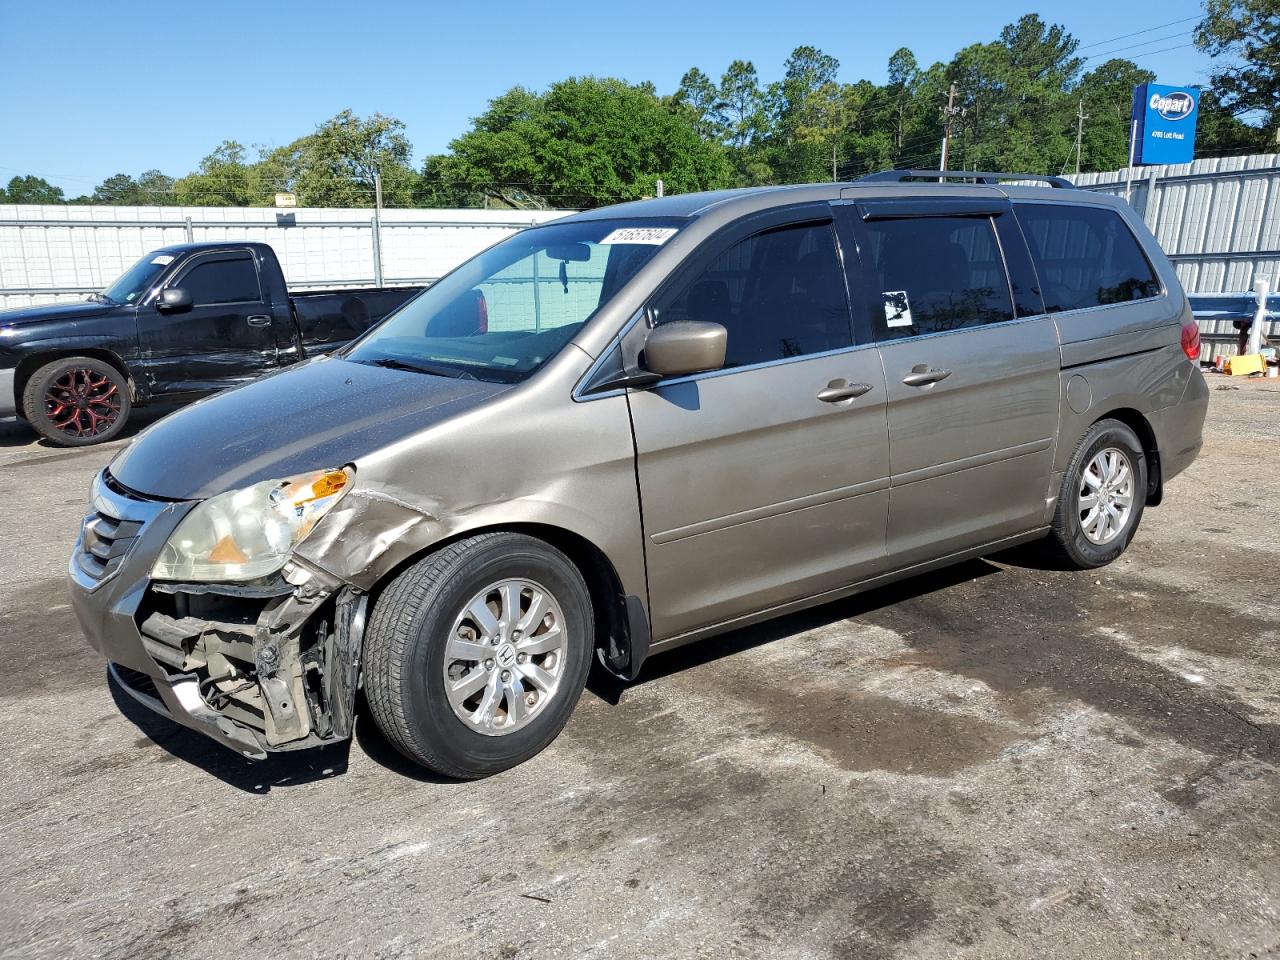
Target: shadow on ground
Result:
[277, 771]
[15, 433]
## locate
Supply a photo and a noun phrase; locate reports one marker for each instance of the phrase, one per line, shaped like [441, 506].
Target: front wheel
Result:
[1104, 491]
[476, 655]
[77, 401]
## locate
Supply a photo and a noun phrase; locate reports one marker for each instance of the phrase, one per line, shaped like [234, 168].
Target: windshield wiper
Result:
[395, 363]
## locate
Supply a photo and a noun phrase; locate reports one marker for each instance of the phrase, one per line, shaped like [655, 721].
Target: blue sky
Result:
[88, 89]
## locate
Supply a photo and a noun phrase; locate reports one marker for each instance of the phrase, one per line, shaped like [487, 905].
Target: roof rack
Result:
[980, 176]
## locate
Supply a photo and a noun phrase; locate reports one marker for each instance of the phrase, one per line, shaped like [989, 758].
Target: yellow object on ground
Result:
[1246, 364]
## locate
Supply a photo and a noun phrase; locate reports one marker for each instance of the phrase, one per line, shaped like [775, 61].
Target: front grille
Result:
[104, 542]
[110, 531]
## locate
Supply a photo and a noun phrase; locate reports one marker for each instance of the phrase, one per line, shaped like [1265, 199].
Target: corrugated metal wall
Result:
[1217, 219]
[53, 253]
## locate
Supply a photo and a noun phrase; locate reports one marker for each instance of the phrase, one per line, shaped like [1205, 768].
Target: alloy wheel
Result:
[1106, 495]
[82, 403]
[505, 657]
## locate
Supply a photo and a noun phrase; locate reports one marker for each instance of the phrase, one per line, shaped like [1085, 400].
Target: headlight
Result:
[249, 533]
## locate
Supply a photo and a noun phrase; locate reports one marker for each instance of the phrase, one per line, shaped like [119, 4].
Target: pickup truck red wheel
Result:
[77, 401]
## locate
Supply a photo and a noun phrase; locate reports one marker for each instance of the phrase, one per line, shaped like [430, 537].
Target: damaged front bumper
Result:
[263, 666]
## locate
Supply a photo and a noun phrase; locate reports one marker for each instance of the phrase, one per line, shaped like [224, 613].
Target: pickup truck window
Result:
[221, 279]
[504, 313]
[137, 280]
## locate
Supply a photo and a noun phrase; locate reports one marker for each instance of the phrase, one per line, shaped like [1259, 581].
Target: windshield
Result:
[138, 279]
[507, 311]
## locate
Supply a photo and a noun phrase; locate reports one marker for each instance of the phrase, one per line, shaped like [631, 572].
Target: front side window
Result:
[1085, 256]
[504, 313]
[937, 274]
[779, 294]
[137, 280]
[230, 279]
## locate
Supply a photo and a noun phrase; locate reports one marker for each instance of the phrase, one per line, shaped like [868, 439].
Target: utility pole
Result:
[377, 226]
[1081, 117]
[834, 178]
[950, 112]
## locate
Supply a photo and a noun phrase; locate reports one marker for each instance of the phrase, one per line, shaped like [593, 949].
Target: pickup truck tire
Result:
[1107, 475]
[77, 401]
[468, 700]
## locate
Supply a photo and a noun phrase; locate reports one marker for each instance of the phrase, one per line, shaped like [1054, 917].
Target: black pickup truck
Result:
[180, 323]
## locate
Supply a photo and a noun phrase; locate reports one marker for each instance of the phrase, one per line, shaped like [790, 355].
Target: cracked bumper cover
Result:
[111, 603]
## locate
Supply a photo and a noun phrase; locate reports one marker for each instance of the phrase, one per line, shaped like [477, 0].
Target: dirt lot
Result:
[994, 761]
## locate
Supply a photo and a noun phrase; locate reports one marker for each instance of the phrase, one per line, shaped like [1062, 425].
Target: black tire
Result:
[77, 401]
[404, 658]
[1068, 540]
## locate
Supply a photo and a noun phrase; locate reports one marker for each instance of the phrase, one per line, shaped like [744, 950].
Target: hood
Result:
[325, 413]
[21, 316]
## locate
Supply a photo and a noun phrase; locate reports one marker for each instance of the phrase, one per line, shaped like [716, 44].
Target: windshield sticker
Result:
[897, 311]
[653, 236]
[163, 260]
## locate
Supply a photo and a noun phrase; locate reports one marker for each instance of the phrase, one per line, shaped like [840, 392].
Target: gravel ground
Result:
[993, 761]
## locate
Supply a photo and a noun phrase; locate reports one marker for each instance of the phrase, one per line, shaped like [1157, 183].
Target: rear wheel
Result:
[77, 401]
[476, 656]
[1102, 497]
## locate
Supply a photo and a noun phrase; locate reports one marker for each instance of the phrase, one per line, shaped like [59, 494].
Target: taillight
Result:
[1191, 341]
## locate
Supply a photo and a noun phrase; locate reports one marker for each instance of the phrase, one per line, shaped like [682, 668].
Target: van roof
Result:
[737, 202]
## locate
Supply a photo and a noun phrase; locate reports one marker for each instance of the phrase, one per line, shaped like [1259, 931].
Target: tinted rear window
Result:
[937, 274]
[1086, 256]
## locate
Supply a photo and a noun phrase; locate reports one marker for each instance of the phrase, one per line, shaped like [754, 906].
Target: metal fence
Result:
[1217, 219]
[59, 253]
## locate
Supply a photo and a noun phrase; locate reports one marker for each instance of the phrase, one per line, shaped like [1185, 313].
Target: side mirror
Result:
[174, 300]
[685, 346]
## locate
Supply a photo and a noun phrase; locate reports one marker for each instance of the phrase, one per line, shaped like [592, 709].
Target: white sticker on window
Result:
[164, 259]
[897, 311]
[653, 236]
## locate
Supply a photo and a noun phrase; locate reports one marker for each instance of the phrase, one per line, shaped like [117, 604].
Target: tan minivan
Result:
[632, 428]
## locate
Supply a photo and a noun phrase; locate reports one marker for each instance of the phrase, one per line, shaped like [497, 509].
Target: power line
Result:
[1137, 33]
[1135, 46]
[1152, 53]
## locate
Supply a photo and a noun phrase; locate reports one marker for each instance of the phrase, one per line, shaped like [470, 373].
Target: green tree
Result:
[151, 189]
[741, 104]
[336, 165]
[806, 109]
[119, 189]
[1219, 131]
[585, 142]
[1247, 34]
[1107, 94]
[31, 189]
[700, 96]
[156, 189]
[226, 179]
[1017, 111]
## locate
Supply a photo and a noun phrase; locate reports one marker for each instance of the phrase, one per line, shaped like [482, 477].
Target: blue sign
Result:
[1166, 119]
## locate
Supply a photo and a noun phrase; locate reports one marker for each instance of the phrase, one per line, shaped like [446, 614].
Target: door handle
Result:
[838, 390]
[922, 375]
[258, 321]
